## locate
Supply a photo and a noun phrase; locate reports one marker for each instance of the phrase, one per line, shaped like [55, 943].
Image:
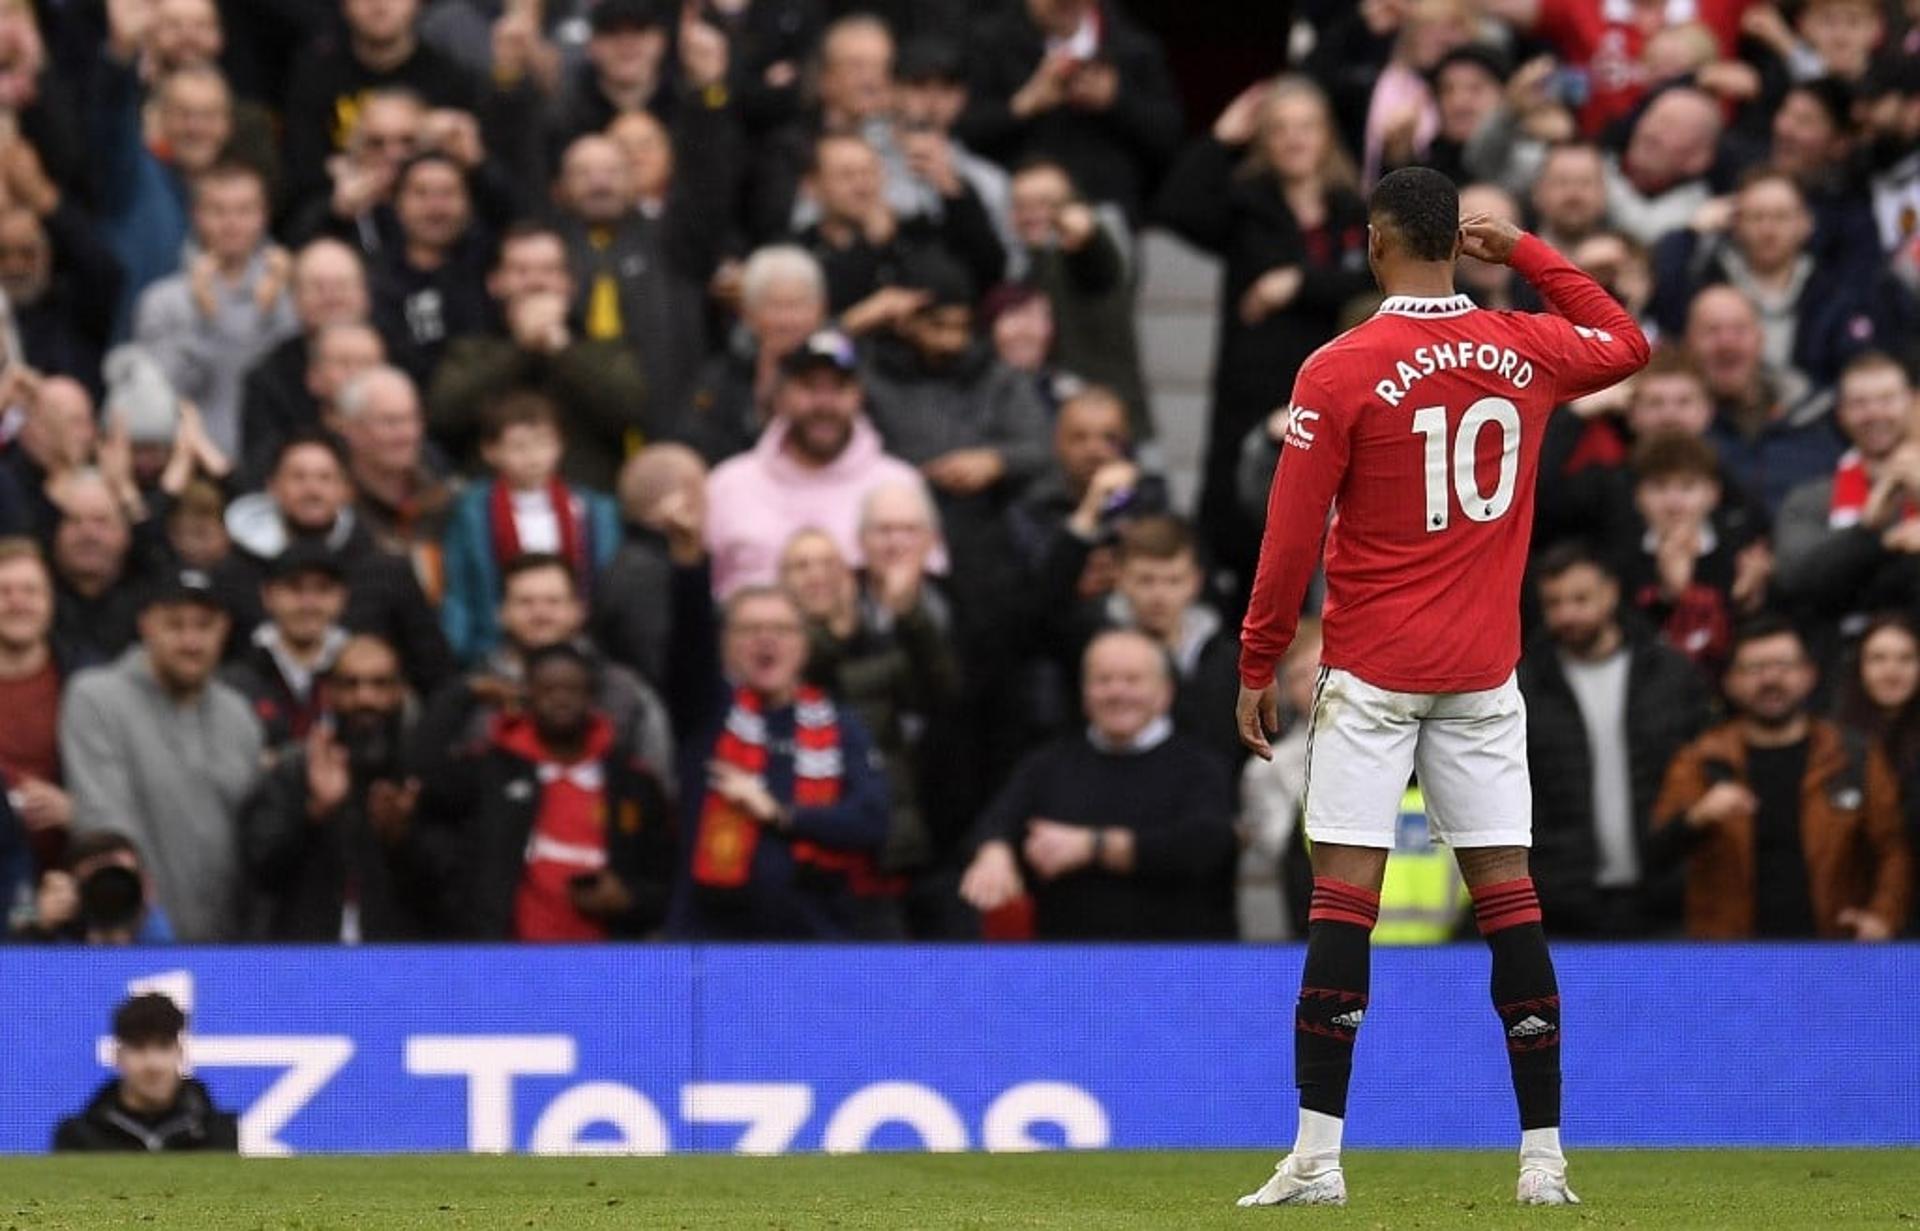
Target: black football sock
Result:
[1333, 993]
[1526, 996]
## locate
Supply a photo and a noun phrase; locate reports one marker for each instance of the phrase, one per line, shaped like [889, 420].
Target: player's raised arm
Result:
[1313, 459]
[1598, 343]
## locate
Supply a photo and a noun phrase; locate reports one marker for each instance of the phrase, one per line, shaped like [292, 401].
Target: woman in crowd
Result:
[1271, 192]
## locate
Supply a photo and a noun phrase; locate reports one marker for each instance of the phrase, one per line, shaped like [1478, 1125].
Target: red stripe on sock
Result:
[1338, 902]
[1506, 905]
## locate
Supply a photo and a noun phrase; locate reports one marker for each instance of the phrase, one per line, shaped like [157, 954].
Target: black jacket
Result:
[1667, 705]
[324, 95]
[383, 595]
[192, 1123]
[661, 264]
[964, 232]
[1177, 800]
[1117, 155]
[481, 811]
[65, 332]
[304, 866]
[274, 404]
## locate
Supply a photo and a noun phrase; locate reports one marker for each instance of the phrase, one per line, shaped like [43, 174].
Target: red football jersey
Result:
[1422, 428]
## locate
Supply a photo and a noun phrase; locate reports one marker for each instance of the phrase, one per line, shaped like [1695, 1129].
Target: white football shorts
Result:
[1469, 749]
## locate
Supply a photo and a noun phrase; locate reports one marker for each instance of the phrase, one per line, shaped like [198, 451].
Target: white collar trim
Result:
[1426, 307]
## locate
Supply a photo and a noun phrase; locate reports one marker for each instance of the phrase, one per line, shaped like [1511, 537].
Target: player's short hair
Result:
[1674, 455]
[1874, 361]
[148, 1019]
[1764, 627]
[1161, 536]
[1421, 207]
[1564, 557]
[519, 407]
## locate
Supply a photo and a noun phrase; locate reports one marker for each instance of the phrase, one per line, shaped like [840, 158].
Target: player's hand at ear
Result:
[1488, 239]
[1259, 717]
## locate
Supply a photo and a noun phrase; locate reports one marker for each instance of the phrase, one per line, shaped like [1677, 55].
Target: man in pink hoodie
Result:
[811, 469]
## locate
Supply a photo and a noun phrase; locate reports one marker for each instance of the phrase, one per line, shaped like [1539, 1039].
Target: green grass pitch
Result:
[1771, 1190]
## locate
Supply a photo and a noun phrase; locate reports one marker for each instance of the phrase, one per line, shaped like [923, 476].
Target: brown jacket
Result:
[1850, 831]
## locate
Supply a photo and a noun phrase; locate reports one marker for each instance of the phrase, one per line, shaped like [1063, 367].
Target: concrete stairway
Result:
[1175, 315]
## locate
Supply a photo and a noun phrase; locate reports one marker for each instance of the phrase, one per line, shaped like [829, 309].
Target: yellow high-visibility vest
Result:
[1423, 895]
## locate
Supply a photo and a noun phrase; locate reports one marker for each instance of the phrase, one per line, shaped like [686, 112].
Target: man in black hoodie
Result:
[149, 1106]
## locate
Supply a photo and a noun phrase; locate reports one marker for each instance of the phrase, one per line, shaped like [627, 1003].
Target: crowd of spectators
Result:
[554, 470]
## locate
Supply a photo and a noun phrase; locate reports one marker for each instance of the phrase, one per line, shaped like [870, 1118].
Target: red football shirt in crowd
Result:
[1422, 429]
[1607, 37]
[569, 837]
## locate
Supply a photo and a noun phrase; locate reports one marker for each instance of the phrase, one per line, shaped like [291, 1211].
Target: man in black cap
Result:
[150, 1105]
[812, 467]
[158, 749]
[305, 595]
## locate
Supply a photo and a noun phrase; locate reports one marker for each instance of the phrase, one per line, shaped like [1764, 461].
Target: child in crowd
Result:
[525, 507]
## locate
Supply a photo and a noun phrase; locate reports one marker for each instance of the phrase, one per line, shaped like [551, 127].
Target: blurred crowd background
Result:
[557, 470]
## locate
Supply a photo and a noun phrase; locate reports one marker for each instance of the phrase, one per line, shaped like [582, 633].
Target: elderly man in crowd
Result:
[328, 285]
[783, 302]
[786, 807]
[1770, 430]
[1123, 831]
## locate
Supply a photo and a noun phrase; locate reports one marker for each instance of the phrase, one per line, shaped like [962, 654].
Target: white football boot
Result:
[1544, 1185]
[1292, 1183]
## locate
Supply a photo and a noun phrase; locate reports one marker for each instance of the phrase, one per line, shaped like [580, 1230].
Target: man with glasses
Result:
[329, 840]
[783, 799]
[1788, 827]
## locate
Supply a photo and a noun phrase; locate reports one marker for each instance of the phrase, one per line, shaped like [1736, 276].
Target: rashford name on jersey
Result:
[1445, 357]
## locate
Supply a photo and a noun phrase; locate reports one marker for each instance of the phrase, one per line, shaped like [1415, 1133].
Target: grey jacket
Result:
[208, 358]
[172, 776]
[923, 413]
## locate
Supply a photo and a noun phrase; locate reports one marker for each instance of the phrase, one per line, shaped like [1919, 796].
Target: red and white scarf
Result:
[1852, 488]
[727, 837]
[569, 515]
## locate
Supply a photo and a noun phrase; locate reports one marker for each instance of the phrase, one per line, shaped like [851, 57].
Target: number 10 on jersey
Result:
[1458, 461]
